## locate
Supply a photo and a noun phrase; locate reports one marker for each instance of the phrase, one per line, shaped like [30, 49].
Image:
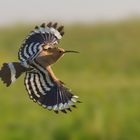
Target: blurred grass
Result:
[106, 76]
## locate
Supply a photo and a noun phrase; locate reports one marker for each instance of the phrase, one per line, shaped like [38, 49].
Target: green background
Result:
[106, 76]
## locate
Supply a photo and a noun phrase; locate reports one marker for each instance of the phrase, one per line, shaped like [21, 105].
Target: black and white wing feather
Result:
[40, 36]
[43, 90]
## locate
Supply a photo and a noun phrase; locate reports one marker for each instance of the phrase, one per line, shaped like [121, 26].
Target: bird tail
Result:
[11, 71]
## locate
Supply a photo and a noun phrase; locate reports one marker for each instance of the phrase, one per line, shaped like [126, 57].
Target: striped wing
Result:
[40, 36]
[45, 92]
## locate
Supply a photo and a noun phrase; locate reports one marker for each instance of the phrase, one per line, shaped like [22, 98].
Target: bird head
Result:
[49, 55]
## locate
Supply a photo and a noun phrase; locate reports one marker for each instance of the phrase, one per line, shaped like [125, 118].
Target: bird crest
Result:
[41, 83]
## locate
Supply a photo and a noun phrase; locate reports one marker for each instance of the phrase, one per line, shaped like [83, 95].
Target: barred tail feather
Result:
[10, 72]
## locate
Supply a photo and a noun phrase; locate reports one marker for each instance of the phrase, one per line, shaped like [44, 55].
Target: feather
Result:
[41, 35]
[57, 98]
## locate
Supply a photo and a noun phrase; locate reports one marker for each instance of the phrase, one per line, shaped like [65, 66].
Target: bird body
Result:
[36, 56]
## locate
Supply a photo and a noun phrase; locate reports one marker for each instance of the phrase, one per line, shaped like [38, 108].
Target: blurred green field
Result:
[106, 76]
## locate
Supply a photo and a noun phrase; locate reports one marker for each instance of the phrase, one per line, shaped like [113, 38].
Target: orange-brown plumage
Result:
[37, 54]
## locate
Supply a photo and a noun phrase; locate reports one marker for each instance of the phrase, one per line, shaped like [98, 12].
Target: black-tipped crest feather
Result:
[43, 25]
[60, 28]
[49, 24]
[55, 25]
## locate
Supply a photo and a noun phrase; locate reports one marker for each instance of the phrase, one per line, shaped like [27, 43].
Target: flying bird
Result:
[36, 55]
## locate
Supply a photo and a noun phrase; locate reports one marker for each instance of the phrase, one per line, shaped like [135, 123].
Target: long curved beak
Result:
[67, 51]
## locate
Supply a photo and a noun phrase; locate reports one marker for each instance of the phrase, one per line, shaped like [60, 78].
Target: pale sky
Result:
[13, 11]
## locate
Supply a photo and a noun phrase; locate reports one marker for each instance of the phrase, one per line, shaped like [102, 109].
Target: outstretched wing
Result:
[43, 90]
[40, 36]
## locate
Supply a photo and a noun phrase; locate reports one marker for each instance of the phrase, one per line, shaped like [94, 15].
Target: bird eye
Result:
[49, 48]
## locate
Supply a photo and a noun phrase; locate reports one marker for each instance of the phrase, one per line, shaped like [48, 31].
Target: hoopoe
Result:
[36, 56]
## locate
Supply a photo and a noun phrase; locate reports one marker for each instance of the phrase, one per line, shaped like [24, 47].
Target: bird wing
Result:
[43, 90]
[40, 36]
